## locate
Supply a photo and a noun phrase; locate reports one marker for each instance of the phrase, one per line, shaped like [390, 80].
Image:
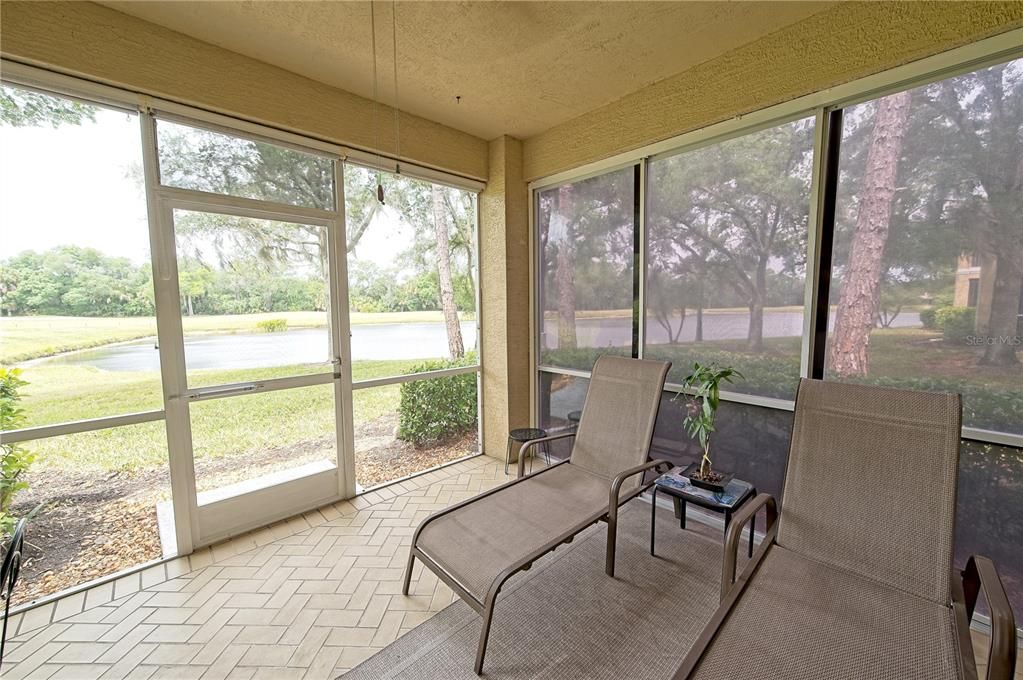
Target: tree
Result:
[193, 282]
[587, 233]
[564, 269]
[447, 289]
[25, 108]
[738, 208]
[959, 189]
[443, 224]
[983, 112]
[861, 289]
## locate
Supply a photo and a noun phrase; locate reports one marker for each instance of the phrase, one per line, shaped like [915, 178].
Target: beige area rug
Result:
[566, 619]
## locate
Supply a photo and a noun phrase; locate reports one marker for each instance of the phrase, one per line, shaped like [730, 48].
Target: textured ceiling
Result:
[519, 67]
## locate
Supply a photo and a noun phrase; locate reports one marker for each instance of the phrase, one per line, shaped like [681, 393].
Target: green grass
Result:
[220, 427]
[30, 337]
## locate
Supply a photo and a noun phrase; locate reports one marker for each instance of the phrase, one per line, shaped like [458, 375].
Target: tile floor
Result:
[306, 598]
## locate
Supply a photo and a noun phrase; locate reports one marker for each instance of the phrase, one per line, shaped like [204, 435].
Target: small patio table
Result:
[735, 495]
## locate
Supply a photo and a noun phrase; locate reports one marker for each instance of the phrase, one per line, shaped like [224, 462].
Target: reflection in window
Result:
[727, 230]
[561, 403]
[587, 233]
[928, 248]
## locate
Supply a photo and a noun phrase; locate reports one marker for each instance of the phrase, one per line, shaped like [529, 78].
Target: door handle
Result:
[224, 391]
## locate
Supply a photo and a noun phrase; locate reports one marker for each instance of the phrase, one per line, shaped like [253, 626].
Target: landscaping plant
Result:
[438, 408]
[272, 325]
[705, 383]
[14, 459]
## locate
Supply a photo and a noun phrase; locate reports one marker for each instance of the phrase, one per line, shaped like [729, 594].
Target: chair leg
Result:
[507, 457]
[481, 649]
[612, 535]
[408, 572]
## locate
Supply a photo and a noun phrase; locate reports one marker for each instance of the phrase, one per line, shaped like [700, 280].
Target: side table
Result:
[737, 489]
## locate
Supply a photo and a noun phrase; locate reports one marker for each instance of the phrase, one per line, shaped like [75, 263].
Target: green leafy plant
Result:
[956, 322]
[438, 408]
[14, 459]
[703, 394]
[273, 325]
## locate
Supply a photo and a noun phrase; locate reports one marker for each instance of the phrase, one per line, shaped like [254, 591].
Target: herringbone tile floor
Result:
[307, 598]
[310, 598]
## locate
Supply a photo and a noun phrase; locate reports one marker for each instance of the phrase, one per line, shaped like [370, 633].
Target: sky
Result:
[73, 185]
[81, 185]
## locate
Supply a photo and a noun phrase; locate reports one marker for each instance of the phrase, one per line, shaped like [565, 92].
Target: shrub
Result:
[956, 322]
[438, 408]
[14, 459]
[927, 318]
[273, 325]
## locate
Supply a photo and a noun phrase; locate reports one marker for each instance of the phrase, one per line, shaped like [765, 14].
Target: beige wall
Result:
[846, 42]
[84, 39]
[504, 273]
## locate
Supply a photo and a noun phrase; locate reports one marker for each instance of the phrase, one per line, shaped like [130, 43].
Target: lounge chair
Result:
[476, 545]
[855, 578]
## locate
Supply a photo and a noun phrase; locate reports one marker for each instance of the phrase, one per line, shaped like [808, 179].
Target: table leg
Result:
[653, 519]
[728, 520]
[682, 513]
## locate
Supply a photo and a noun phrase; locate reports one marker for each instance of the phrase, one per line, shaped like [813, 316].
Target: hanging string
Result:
[394, 45]
[376, 95]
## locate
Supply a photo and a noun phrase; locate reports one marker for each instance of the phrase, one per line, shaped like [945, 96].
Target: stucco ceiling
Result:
[518, 67]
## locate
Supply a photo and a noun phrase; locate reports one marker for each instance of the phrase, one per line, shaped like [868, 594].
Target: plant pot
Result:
[692, 472]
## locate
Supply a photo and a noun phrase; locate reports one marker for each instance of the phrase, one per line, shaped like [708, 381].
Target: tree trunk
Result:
[447, 288]
[188, 304]
[755, 334]
[699, 310]
[861, 288]
[1003, 328]
[564, 273]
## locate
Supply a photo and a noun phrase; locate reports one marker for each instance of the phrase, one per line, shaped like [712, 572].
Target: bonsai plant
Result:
[703, 389]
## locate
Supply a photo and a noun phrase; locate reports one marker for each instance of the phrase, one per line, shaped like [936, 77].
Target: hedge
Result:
[438, 408]
[999, 409]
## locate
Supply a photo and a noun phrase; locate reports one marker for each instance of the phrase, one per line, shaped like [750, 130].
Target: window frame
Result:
[160, 199]
[826, 106]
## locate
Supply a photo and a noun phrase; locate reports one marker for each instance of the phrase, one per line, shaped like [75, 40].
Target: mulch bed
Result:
[94, 524]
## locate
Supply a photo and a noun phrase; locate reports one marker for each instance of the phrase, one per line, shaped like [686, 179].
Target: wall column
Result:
[504, 294]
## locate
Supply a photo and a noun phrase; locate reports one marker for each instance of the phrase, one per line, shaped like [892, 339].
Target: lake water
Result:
[260, 350]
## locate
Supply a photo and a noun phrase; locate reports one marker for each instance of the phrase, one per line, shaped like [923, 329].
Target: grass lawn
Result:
[30, 337]
[220, 427]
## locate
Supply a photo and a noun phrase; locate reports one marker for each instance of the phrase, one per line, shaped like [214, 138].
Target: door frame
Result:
[198, 524]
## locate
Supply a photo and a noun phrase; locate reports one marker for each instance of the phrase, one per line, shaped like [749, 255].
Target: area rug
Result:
[566, 619]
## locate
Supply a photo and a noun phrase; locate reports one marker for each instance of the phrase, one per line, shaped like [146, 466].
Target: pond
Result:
[260, 350]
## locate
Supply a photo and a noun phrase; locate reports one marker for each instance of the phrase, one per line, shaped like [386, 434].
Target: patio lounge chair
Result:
[855, 579]
[476, 545]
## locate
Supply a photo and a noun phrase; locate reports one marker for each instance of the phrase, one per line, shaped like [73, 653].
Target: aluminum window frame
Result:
[91, 91]
[822, 106]
[161, 201]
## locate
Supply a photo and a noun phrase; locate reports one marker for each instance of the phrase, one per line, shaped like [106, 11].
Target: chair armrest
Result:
[533, 442]
[616, 483]
[732, 536]
[980, 574]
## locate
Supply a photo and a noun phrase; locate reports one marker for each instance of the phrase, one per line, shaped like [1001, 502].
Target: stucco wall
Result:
[85, 39]
[504, 273]
[848, 41]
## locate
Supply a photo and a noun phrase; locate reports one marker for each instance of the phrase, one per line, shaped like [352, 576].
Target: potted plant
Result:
[703, 390]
